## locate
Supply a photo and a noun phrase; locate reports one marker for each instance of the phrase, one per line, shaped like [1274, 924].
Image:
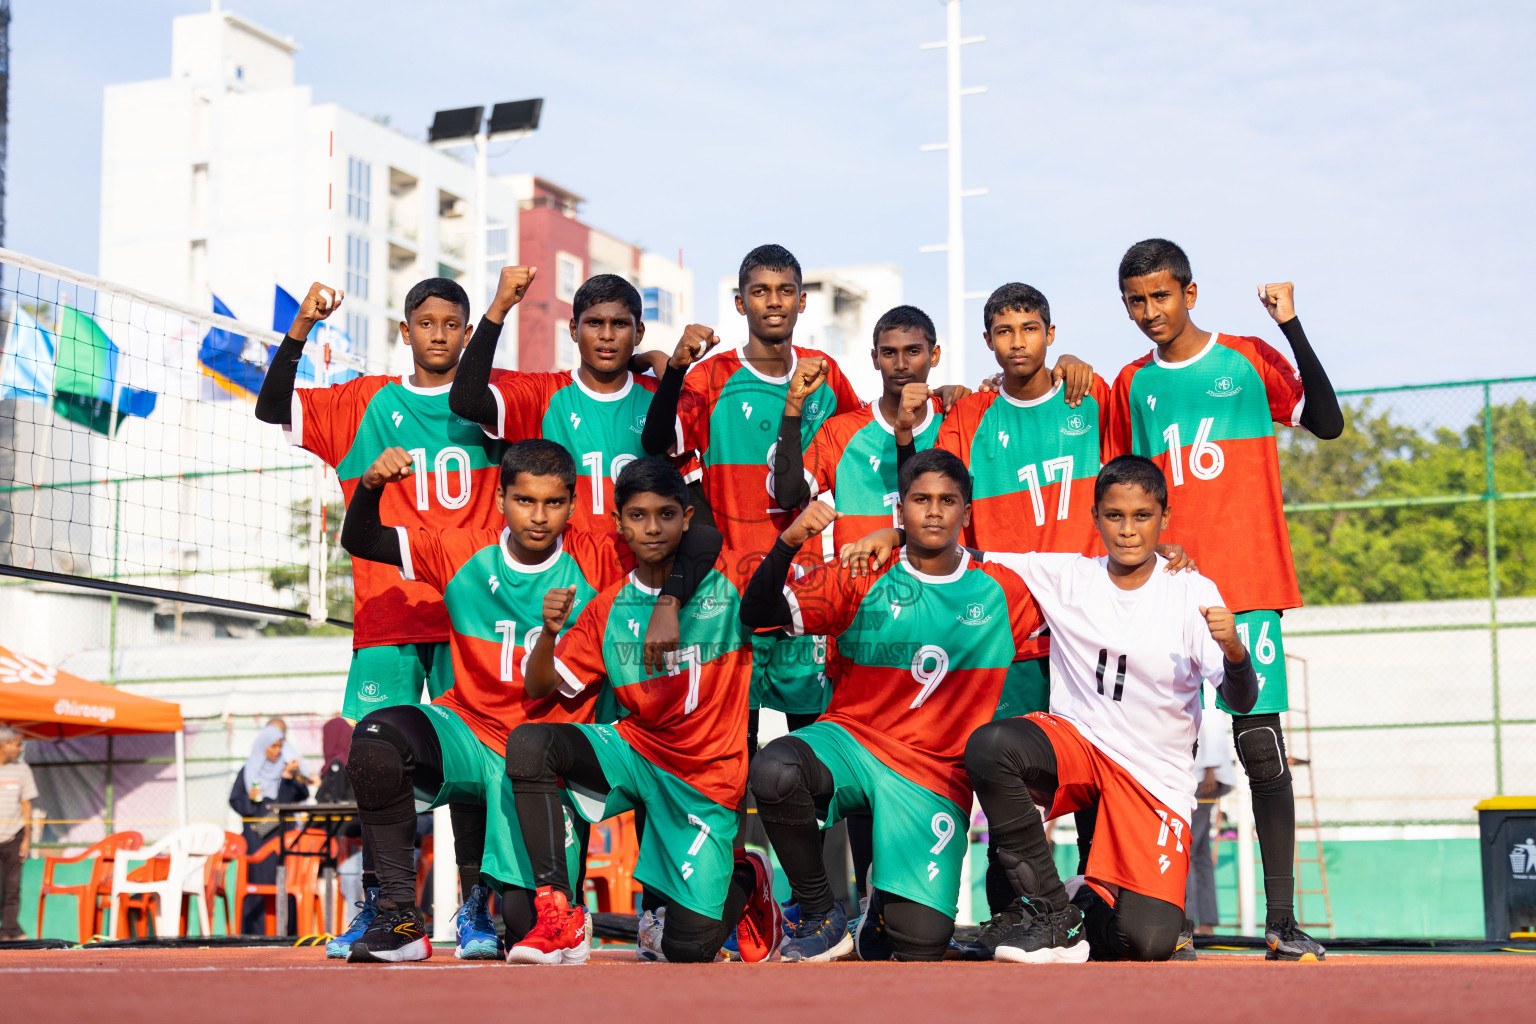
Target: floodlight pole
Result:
[480, 301]
[954, 247]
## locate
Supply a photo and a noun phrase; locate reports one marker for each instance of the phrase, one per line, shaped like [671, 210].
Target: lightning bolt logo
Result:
[746, 409]
[634, 627]
[1162, 863]
[575, 421]
[397, 417]
[1152, 402]
[686, 869]
[874, 463]
[494, 582]
[1002, 436]
[933, 871]
[895, 609]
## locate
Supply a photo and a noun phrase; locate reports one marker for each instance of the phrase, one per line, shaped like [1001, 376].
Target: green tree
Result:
[294, 579]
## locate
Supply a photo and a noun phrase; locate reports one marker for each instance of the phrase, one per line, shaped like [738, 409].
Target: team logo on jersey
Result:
[397, 417]
[709, 607]
[895, 609]
[686, 870]
[634, 627]
[933, 870]
[639, 425]
[813, 410]
[575, 421]
[371, 692]
[874, 463]
[494, 582]
[746, 410]
[1077, 425]
[975, 615]
[1152, 402]
[1002, 437]
[1224, 387]
[1162, 863]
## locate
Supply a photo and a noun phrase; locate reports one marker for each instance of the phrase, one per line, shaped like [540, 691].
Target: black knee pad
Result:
[690, 938]
[778, 772]
[916, 932]
[378, 762]
[1154, 937]
[984, 750]
[528, 750]
[1260, 747]
[1021, 877]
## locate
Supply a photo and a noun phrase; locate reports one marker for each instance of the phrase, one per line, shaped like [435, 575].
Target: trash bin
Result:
[1508, 828]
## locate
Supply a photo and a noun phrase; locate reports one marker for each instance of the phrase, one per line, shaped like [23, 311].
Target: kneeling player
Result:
[923, 647]
[451, 751]
[680, 754]
[1129, 647]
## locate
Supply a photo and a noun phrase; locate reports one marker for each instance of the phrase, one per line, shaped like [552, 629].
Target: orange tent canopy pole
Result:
[45, 703]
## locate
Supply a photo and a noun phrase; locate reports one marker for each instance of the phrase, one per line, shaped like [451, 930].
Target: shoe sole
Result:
[333, 951]
[411, 952]
[843, 947]
[554, 958]
[976, 954]
[479, 950]
[1303, 958]
[1074, 954]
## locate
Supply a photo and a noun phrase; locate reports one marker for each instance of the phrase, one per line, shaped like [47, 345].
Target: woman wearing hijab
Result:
[264, 780]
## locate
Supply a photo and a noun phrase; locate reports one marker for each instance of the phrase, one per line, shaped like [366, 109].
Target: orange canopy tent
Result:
[43, 703]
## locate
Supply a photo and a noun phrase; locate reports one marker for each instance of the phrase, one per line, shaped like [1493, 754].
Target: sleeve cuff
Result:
[796, 622]
[494, 431]
[570, 686]
[293, 430]
[1296, 412]
[407, 569]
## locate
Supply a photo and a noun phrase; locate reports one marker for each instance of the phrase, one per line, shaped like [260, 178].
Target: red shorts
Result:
[1138, 843]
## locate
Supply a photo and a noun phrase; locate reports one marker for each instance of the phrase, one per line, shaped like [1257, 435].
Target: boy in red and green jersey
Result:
[597, 411]
[730, 407]
[924, 644]
[1202, 406]
[493, 583]
[400, 627]
[680, 753]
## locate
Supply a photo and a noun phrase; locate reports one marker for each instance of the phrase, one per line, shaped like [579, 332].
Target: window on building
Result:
[357, 267]
[566, 356]
[567, 276]
[359, 188]
[357, 331]
[659, 305]
[496, 241]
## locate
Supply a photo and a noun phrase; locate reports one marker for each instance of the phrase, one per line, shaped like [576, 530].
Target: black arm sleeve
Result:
[1320, 414]
[696, 555]
[789, 487]
[1240, 689]
[764, 605]
[659, 432]
[363, 535]
[905, 452]
[274, 402]
[470, 396]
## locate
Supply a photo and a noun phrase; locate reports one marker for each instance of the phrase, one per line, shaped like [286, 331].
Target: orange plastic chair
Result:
[424, 870]
[156, 870]
[302, 881]
[244, 886]
[91, 898]
[216, 880]
[611, 855]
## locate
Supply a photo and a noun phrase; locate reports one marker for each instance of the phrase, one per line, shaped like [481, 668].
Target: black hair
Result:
[1132, 471]
[934, 460]
[605, 288]
[1014, 295]
[538, 457]
[1152, 255]
[650, 476]
[769, 257]
[906, 318]
[436, 288]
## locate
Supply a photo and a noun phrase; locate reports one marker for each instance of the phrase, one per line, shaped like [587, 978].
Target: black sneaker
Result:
[397, 935]
[1001, 923]
[1185, 950]
[1054, 937]
[1284, 941]
[870, 942]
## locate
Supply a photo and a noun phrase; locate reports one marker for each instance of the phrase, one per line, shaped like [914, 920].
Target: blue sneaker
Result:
[869, 938]
[475, 930]
[730, 949]
[791, 918]
[341, 946]
[819, 939]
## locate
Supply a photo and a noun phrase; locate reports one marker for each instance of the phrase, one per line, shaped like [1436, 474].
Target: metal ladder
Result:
[1298, 732]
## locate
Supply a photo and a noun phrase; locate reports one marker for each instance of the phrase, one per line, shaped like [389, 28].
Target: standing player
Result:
[680, 754]
[1130, 646]
[1202, 406]
[730, 414]
[597, 411]
[923, 647]
[400, 627]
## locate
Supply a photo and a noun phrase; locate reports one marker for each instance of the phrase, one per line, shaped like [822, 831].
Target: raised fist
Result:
[1279, 300]
[393, 464]
[557, 608]
[511, 287]
[818, 515]
[694, 345]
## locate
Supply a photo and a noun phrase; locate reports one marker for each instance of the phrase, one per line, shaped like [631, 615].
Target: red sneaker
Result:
[762, 922]
[561, 936]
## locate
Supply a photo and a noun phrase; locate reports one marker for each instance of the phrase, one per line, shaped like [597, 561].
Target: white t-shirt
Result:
[1126, 665]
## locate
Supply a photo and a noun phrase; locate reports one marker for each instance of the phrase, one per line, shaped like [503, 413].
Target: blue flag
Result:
[238, 363]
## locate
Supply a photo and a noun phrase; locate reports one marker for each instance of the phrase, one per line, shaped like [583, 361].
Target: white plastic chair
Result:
[188, 849]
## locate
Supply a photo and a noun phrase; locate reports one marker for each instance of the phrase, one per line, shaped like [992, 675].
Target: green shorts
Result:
[789, 674]
[685, 850]
[473, 773]
[920, 837]
[382, 677]
[1026, 688]
[1260, 633]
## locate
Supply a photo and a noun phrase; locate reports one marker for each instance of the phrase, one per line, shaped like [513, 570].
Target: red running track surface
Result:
[298, 986]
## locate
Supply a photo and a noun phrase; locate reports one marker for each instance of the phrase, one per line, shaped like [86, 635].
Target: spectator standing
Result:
[17, 791]
[1214, 779]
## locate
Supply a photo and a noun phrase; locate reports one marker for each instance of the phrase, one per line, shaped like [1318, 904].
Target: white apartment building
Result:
[841, 307]
[227, 179]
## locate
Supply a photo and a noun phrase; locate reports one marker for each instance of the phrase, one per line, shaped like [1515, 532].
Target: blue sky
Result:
[1378, 154]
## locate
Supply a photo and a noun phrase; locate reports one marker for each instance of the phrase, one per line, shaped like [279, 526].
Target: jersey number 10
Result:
[443, 477]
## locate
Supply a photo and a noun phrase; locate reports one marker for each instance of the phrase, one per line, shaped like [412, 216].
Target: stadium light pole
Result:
[463, 126]
[954, 246]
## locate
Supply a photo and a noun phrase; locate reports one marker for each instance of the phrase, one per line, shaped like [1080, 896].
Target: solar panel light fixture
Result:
[457, 126]
[518, 117]
[460, 126]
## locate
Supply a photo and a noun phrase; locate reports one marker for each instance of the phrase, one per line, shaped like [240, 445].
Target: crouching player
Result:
[923, 647]
[680, 755]
[450, 752]
[1129, 647]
